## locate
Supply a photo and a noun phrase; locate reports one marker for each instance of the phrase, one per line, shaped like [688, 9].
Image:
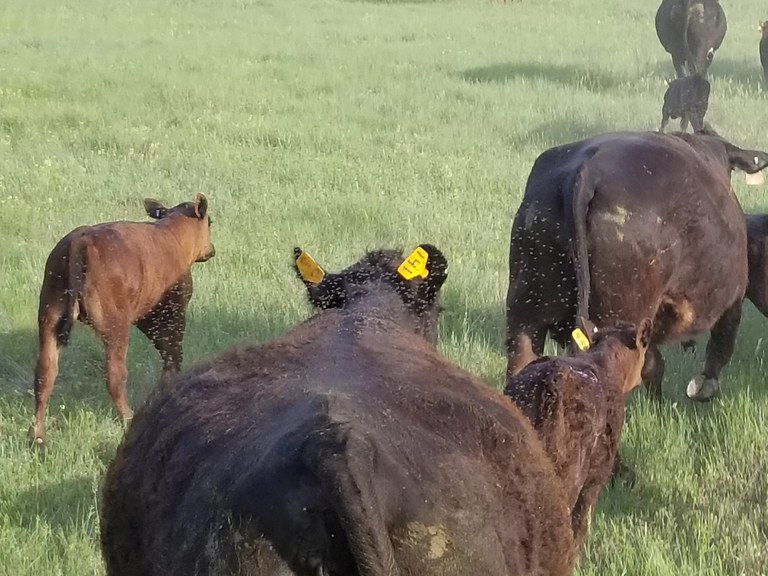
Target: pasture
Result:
[341, 126]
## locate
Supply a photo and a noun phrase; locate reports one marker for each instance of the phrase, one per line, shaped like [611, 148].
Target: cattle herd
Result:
[350, 445]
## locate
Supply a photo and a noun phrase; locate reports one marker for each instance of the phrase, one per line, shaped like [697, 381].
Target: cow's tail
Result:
[73, 295]
[343, 461]
[583, 193]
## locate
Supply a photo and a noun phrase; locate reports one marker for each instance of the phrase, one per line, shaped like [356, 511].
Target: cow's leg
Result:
[697, 122]
[722, 340]
[684, 122]
[116, 345]
[525, 343]
[582, 514]
[664, 121]
[45, 375]
[653, 371]
[164, 326]
[679, 64]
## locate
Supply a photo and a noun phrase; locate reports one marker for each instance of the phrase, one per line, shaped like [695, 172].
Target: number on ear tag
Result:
[414, 265]
[580, 339]
[309, 269]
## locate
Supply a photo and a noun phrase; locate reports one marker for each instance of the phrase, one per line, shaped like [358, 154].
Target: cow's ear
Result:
[323, 290]
[644, 333]
[201, 205]
[750, 161]
[428, 267]
[155, 209]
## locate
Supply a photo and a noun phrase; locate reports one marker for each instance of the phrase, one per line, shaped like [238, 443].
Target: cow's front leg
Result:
[719, 350]
[525, 343]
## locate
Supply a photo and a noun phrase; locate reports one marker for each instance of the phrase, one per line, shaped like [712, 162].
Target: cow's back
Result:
[669, 231]
[462, 483]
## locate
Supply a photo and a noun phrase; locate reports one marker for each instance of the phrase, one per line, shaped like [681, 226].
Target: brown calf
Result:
[576, 404]
[115, 274]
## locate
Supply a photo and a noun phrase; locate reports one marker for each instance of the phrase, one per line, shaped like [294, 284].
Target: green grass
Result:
[341, 126]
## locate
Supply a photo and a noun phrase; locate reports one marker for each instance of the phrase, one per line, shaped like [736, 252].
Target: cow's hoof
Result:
[36, 442]
[702, 389]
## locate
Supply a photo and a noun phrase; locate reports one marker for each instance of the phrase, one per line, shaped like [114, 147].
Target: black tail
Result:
[73, 295]
[583, 192]
[343, 461]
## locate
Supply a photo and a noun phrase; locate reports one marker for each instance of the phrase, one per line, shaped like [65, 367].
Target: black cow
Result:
[691, 31]
[757, 251]
[686, 98]
[350, 446]
[764, 48]
[626, 226]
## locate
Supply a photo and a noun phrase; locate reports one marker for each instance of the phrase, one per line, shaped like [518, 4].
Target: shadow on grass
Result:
[587, 78]
[560, 131]
[746, 73]
[80, 384]
[62, 505]
[484, 324]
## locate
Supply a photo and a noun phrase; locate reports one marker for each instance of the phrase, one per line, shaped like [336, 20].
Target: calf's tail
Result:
[583, 193]
[73, 295]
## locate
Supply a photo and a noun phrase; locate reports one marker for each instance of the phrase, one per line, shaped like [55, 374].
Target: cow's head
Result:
[729, 155]
[196, 227]
[415, 280]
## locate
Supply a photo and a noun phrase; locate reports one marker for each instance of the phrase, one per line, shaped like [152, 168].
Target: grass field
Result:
[341, 126]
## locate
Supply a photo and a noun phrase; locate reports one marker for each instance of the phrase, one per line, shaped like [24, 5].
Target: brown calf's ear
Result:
[201, 205]
[155, 209]
[644, 333]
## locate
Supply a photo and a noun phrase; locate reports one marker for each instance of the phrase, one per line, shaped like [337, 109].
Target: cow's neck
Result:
[178, 255]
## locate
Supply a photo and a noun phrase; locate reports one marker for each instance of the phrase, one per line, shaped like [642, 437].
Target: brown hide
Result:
[111, 276]
[349, 446]
[576, 404]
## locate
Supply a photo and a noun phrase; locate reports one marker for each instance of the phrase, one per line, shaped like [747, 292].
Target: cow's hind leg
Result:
[719, 351]
[679, 64]
[697, 121]
[653, 371]
[525, 343]
[664, 121]
[116, 346]
[45, 375]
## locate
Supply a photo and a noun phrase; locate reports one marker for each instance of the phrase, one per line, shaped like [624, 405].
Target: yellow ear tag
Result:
[580, 339]
[414, 265]
[309, 269]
